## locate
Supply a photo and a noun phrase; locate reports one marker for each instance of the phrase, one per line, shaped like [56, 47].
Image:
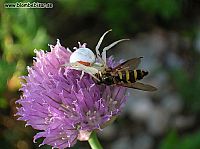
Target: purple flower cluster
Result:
[63, 106]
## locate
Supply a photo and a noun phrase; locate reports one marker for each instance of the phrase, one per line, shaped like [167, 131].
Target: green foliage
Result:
[174, 141]
[21, 33]
[164, 8]
[188, 85]
[124, 15]
[3, 103]
[79, 7]
[119, 14]
[170, 141]
[6, 71]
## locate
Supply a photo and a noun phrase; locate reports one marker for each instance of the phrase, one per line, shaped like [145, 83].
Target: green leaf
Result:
[174, 141]
[6, 71]
[3, 103]
[170, 142]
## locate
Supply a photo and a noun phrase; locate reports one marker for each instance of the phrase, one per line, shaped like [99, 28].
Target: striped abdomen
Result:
[129, 76]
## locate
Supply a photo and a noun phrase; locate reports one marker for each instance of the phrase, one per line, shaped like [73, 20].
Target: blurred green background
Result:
[166, 32]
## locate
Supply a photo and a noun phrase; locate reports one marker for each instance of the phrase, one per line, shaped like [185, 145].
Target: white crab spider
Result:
[85, 60]
[82, 55]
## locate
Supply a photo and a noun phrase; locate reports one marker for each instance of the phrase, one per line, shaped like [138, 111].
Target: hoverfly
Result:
[125, 74]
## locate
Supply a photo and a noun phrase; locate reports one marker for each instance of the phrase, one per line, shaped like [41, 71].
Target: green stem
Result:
[94, 142]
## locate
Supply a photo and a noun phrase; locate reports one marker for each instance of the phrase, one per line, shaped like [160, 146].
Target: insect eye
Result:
[105, 78]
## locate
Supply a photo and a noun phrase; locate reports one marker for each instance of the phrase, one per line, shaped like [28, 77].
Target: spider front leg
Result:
[98, 46]
[109, 47]
[100, 41]
[102, 57]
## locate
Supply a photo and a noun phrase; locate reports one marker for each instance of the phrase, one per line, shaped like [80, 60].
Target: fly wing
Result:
[129, 64]
[140, 86]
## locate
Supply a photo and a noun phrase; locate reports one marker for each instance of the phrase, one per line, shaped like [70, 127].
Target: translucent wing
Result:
[140, 86]
[129, 64]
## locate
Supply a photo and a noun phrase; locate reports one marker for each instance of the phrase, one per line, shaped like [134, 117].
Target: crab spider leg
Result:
[91, 70]
[101, 60]
[86, 70]
[100, 41]
[83, 72]
[110, 46]
[66, 64]
[94, 77]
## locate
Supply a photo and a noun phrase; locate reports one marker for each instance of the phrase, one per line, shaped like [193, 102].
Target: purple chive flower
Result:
[62, 106]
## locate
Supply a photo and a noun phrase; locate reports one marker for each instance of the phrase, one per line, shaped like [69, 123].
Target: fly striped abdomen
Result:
[130, 76]
[121, 76]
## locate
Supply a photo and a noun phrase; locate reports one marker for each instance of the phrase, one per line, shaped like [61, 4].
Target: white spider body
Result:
[84, 59]
[84, 55]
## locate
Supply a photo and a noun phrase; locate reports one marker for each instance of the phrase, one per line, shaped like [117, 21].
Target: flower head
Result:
[63, 106]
